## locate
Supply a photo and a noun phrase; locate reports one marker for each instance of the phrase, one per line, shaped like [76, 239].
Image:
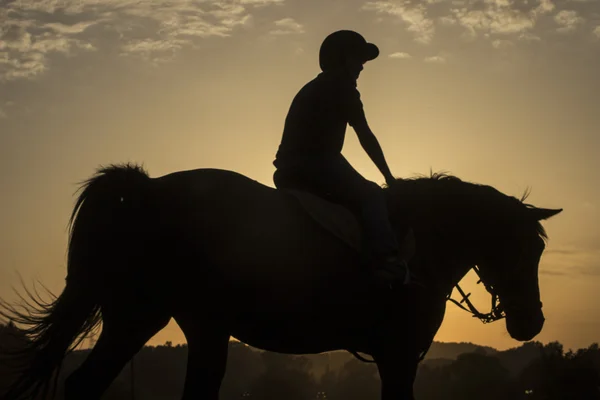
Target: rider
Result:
[309, 156]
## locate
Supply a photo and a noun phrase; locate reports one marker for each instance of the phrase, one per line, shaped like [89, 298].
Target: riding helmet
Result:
[344, 43]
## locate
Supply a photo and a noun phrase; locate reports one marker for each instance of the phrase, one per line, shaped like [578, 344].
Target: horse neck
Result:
[441, 269]
[443, 244]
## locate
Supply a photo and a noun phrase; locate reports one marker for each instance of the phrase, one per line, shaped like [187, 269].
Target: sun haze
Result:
[497, 92]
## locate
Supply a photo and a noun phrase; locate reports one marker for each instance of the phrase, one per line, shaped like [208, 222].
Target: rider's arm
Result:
[371, 145]
[366, 137]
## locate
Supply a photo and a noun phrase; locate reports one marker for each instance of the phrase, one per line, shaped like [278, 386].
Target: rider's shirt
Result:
[315, 126]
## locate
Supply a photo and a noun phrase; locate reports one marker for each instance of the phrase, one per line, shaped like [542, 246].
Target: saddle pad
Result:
[333, 217]
[340, 222]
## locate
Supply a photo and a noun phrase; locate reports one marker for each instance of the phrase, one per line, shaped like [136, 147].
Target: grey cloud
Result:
[228, 10]
[522, 22]
[25, 46]
[287, 26]
[413, 15]
[544, 7]
[587, 270]
[496, 19]
[502, 44]
[33, 30]
[476, 16]
[260, 3]
[565, 251]
[552, 272]
[529, 37]
[400, 55]
[155, 51]
[568, 20]
[447, 20]
[572, 261]
[69, 29]
[435, 60]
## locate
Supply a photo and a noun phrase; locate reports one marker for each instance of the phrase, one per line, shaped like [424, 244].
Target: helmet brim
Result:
[370, 52]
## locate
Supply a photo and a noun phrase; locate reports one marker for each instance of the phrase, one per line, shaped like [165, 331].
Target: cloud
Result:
[157, 51]
[571, 261]
[498, 20]
[32, 31]
[545, 7]
[414, 16]
[261, 3]
[287, 26]
[447, 20]
[25, 45]
[568, 20]
[596, 31]
[3, 114]
[501, 17]
[529, 37]
[502, 44]
[573, 271]
[552, 272]
[400, 55]
[435, 60]
[64, 29]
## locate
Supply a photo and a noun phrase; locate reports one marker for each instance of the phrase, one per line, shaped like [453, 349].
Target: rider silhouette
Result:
[309, 156]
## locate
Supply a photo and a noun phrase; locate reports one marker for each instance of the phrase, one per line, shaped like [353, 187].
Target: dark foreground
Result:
[451, 371]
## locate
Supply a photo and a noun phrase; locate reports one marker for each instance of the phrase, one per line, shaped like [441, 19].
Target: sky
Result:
[498, 92]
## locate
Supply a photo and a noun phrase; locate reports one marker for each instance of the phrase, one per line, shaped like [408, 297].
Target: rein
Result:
[497, 311]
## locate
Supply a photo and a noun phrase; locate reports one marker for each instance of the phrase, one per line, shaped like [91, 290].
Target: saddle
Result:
[341, 222]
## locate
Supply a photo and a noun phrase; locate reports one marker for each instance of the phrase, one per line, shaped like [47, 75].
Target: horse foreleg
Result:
[207, 359]
[117, 344]
[397, 362]
[397, 378]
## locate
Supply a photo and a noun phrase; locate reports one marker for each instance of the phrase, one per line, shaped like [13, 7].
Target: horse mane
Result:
[481, 200]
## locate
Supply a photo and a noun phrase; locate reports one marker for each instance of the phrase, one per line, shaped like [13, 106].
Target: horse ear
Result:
[543, 213]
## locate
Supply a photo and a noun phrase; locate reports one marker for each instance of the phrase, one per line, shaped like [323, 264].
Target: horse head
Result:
[508, 266]
[459, 226]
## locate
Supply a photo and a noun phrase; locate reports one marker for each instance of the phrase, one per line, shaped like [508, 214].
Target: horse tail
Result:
[102, 218]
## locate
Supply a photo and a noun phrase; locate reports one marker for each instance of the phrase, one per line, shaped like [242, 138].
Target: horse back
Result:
[251, 232]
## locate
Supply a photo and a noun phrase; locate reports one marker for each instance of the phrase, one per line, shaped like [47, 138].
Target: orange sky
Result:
[499, 92]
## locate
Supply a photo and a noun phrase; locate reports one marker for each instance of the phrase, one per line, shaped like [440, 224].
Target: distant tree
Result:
[559, 375]
[516, 359]
[472, 376]
[328, 383]
[285, 377]
[244, 366]
[355, 381]
[476, 376]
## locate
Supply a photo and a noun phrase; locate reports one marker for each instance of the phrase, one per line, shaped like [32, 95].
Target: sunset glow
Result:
[498, 92]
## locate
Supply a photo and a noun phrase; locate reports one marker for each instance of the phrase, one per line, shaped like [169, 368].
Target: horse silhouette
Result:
[227, 256]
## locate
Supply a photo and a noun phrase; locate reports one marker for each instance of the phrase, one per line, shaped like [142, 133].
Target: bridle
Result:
[497, 311]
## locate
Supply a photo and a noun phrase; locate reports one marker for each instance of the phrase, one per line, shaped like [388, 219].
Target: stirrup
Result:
[389, 272]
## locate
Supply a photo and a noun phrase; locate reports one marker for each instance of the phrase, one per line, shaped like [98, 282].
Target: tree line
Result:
[531, 371]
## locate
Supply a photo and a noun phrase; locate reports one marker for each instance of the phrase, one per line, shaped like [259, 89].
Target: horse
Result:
[227, 256]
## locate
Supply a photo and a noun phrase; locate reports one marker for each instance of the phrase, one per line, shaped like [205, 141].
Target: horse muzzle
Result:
[524, 325]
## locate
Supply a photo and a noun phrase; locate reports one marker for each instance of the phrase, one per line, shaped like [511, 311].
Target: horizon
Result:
[497, 92]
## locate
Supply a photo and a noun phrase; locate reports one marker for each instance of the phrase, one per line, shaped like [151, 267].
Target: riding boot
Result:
[392, 272]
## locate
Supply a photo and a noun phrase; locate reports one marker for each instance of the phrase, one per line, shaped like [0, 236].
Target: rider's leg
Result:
[382, 241]
[341, 183]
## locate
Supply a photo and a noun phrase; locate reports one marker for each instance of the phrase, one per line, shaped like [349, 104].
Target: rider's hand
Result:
[390, 180]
